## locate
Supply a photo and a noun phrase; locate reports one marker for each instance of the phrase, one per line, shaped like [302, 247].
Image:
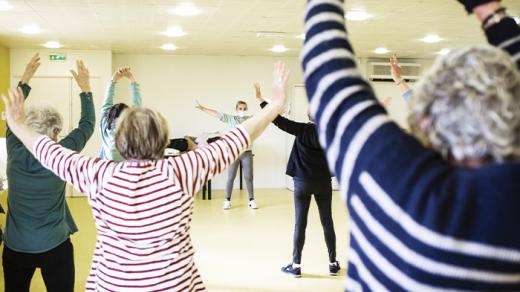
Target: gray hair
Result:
[468, 105]
[44, 120]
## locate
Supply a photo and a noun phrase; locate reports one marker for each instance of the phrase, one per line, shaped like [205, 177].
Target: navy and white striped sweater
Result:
[417, 223]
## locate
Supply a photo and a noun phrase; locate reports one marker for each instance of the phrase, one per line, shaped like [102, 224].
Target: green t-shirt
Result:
[38, 218]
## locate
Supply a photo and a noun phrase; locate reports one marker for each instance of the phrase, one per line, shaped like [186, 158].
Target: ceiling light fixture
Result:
[431, 39]
[175, 31]
[187, 9]
[357, 15]
[381, 51]
[52, 45]
[279, 49]
[169, 47]
[5, 6]
[31, 29]
[443, 52]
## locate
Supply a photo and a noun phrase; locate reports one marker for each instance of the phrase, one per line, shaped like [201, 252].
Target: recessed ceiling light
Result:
[4, 6]
[187, 9]
[381, 51]
[443, 52]
[31, 29]
[53, 45]
[357, 15]
[431, 38]
[175, 31]
[169, 47]
[279, 49]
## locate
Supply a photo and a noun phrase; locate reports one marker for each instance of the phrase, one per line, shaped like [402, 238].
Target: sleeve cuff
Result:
[86, 95]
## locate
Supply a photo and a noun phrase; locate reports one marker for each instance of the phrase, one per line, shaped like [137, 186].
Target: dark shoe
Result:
[334, 268]
[295, 272]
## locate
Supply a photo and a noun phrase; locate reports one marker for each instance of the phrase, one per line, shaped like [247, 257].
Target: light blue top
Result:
[408, 95]
[108, 148]
[233, 121]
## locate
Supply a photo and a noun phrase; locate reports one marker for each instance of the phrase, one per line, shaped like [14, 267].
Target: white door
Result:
[299, 107]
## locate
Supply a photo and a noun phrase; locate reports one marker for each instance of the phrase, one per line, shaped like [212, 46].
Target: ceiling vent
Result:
[270, 34]
[380, 71]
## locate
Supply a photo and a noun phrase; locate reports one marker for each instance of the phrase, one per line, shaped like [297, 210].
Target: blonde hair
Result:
[142, 134]
[470, 102]
[44, 120]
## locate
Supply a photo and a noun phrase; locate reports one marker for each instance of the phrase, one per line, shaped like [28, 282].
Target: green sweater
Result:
[38, 218]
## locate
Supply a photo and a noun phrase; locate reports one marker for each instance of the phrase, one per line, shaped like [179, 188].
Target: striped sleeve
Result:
[195, 168]
[506, 35]
[82, 172]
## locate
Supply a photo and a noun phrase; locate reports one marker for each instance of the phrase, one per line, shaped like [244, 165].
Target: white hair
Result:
[468, 104]
[44, 120]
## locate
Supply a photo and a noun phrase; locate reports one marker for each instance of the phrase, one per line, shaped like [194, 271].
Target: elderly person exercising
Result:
[143, 205]
[436, 218]
[39, 222]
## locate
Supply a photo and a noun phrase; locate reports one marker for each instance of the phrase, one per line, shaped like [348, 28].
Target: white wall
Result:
[171, 84]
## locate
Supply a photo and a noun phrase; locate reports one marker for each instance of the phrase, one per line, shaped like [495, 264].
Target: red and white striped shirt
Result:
[142, 212]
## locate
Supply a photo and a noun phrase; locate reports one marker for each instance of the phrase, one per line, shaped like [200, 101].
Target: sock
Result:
[295, 265]
[333, 263]
[228, 199]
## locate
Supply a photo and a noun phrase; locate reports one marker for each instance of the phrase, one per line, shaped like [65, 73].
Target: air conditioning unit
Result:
[380, 71]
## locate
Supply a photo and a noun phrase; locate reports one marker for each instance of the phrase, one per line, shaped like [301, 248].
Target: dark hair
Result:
[241, 102]
[114, 113]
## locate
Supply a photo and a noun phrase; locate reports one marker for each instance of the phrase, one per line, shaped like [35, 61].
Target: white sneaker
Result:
[252, 204]
[227, 205]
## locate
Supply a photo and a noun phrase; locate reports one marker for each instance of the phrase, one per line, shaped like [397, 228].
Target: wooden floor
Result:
[238, 249]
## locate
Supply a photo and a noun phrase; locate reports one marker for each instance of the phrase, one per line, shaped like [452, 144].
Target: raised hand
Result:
[31, 68]
[14, 110]
[118, 74]
[396, 69]
[258, 93]
[126, 72]
[280, 77]
[198, 105]
[82, 76]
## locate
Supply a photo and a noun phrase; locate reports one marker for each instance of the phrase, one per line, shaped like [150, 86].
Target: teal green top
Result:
[108, 144]
[38, 218]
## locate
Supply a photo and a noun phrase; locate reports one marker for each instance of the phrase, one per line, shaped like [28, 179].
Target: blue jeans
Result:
[322, 191]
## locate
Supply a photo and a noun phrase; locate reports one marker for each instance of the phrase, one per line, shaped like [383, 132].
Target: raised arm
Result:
[286, 125]
[78, 137]
[205, 162]
[396, 71]
[110, 93]
[134, 87]
[30, 69]
[207, 110]
[501, 30]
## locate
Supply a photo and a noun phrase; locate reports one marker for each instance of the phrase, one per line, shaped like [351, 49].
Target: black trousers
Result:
[322, 191]
[57, 267]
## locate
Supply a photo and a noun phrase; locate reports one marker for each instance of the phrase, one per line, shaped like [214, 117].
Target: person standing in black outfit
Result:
[308, 167]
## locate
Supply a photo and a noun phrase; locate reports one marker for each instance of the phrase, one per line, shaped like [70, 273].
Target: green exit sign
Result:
[57, 57]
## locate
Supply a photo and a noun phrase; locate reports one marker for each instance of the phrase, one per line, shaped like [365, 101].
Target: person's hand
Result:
[118, 74]
[126, 72]
[258, 93]
[387, 102]
[14, 110]
[396, 69]
[31, 68]
[470, 5]
[280, 77]
[198, 105]
[82, 76]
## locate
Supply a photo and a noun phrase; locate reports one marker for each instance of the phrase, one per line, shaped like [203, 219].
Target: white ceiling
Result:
[228, 27]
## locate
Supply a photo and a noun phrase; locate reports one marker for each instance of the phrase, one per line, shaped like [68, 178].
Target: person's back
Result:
[142, 217]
